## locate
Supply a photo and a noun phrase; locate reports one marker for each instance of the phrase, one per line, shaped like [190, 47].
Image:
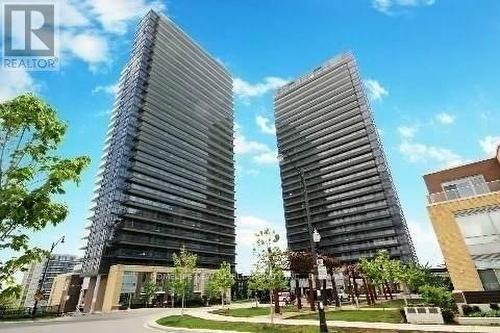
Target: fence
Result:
[19, 313]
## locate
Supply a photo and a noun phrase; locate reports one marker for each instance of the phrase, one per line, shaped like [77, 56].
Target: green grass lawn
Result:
[388, 316]
[395, 303]
[193, 322]
[251, 312]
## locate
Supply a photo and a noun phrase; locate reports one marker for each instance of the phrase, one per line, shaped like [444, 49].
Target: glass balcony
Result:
[475, 189]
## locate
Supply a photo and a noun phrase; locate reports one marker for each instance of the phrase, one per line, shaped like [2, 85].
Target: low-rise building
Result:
[58, 264]
[464, 208]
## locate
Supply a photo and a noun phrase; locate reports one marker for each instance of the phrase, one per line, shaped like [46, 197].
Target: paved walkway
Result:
[205, 314]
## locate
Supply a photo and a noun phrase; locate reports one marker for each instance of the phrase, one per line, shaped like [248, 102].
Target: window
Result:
[465, 187]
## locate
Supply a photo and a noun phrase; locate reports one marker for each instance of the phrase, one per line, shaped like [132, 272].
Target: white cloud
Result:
[445, 118]
[246, 228]
[13, 83]
[260, 152]
[266, 158]
[111, 89]
[418, 152]
[425, 242]
[243, 88]
[407, 132]
[265, 125]
[244, 146]
[489, 144]
[71, 15]
[375, 90]
[88, 46]
[114, 15]
[387, 6]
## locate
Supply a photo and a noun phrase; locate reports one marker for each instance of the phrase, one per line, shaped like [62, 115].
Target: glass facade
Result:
[167, 176]
[481, 231]
[325, 128]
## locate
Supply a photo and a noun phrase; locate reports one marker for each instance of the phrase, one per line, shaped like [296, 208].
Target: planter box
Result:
[478, 320]
[423, 315]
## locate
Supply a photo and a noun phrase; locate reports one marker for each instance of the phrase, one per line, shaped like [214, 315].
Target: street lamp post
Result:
[314, 238]
[39, 292]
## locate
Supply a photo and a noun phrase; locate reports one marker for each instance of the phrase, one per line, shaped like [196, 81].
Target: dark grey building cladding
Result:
[167, 176]
[325, 127]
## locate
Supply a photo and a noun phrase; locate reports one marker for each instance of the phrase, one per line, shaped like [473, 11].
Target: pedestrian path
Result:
[204, 313]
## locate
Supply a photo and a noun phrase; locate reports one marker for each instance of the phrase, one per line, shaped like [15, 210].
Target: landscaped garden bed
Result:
[198, 323]
[387, 316]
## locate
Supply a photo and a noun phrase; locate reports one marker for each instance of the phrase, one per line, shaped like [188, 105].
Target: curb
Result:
[155, 326]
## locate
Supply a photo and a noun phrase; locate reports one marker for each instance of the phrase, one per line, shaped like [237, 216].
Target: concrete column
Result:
[95, 292]
[113, 288]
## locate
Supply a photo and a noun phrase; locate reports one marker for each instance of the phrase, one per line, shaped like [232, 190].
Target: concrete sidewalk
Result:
[204, 313]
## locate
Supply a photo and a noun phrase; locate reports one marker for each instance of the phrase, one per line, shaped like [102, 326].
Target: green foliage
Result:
[211, 290]
[223, 280]
[437, 296]
[271, 263]
[271, 259]
[184, 267]
[10, 299]
[31, 176]
[149, 290]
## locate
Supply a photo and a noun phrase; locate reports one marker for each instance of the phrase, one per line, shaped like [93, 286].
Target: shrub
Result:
[441, 297]
[403, 314]
[494, 306]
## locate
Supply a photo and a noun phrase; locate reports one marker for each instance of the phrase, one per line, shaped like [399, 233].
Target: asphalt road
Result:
[132, 321]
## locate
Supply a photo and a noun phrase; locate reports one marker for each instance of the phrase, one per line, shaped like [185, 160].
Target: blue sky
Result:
[430, 67]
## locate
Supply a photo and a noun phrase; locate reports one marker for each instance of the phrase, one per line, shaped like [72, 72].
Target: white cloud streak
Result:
[111, 89]
[376, 92]
[13, 83]
[265, 125]
[244, 89]
[490, 144]
[419, 152]
[445, 118]
[246, 228]
[407, 132]
[114, 15]
[388, 6]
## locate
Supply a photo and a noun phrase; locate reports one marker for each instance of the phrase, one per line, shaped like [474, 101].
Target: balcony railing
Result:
[472, 191]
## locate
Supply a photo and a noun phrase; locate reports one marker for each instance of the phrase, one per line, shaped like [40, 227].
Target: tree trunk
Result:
[384, 291]
[276, 301]
[222, 299]
[182, 305]
[311, 295]
[367, 292]
[298, 294]
[389, 289]
[374, 291]
[349, 286]
[271, 306]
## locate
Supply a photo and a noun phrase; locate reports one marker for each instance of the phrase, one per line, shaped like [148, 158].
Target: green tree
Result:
[411, 276]
[184, 267]
[31, 176]
[271, 261]
[223, 280]
[256, 283]
[211, 290]
[149, 291]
